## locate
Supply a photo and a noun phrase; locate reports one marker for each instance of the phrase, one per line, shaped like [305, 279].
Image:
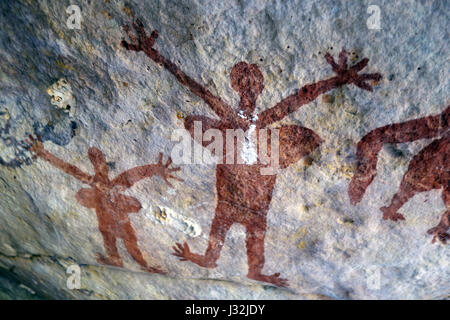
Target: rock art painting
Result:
[428, 170]
[105, 197]
[244, 194]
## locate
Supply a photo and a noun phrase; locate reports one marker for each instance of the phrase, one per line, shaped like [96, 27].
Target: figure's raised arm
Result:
[142, 42]
[371, 144]
[310, 92]
[130, 177]
[37, 147]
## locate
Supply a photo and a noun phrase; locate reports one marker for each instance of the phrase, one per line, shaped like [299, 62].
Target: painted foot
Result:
[110, 261]
[439, 233]
[389, 215]
[274, 279]
[184, 253]
[155, 269]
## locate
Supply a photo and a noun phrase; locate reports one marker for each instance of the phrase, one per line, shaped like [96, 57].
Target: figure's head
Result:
[98, 161]
[248, 81]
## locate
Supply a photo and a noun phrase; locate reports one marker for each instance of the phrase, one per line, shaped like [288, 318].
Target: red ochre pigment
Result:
[428, 170]
[112, 207]
[244, 194]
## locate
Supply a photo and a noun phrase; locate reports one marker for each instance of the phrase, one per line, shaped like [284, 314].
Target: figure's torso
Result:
[243, 185]
[240, 181]
[112, 208]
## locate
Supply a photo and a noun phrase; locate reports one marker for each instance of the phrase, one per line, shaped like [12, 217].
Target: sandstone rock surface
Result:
[128, 107]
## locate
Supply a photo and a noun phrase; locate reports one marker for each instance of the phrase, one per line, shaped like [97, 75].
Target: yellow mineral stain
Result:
[299, 233]
[180, 115]
[61, 66]
[106, 14]
[6, 116]
[302, 245]
[160, 215]
[128, 11]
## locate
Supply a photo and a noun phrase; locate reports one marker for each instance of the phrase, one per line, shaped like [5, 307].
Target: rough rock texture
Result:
[128, 106]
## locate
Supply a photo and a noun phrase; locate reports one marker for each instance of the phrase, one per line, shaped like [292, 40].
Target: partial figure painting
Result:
[105, 197]
[244, 194]
[428, 170]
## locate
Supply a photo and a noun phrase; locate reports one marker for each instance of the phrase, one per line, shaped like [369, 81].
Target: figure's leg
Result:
[425, 172]
[440, 231]
[256, 232]
[130, 241]
[219, 228]
[113, 258]
[405, 192]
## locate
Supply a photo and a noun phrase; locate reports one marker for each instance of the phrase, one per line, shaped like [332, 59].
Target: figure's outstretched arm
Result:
[310, 92]
[371, 144]
[142, 42]
[130, 177]
[38, 148]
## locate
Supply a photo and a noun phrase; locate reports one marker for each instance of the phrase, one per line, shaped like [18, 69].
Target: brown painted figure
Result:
[429, 169]
[112, 207]
[244, 194]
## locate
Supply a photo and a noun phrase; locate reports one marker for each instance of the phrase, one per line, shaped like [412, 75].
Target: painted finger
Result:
[331, 61]
[154, 35]
[132, 36]
[128, 46]
[364, 85]
[168, 183]
[139, 27]
[176, 178]
[175, 249]
[139, 23]
[370, 76]
[180, 249]
[169, 161]
[360, 65]
[343, 59]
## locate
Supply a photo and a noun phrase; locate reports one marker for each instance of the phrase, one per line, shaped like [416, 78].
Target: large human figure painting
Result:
[244, 194]
[428, 170]
[105, 197]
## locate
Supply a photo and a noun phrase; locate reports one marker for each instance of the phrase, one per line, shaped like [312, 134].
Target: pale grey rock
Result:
[127, 106]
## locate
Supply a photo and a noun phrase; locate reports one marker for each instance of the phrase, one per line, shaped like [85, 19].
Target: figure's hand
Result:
[36, 145]
[140, 41]
[182, 252]
[165, 171]
[350, 75]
